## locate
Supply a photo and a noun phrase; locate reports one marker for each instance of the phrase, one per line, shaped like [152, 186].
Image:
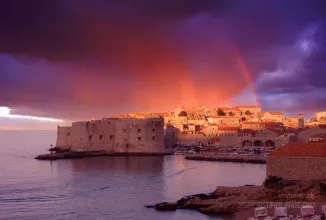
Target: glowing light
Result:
[246, 74]
[5, 113]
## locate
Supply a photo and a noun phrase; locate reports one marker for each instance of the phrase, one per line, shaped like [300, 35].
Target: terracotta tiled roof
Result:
[276, 113]
[275, 131]
[215, 139]
[235, 117]
[229, 128]
[247, 107]
[266, 123]
[246, 131]
[299, 149]
[319, 136]
[322, 126]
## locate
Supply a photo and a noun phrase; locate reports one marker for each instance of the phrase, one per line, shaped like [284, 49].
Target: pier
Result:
[260, 159]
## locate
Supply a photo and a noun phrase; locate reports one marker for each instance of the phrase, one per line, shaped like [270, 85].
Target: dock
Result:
[228, 158]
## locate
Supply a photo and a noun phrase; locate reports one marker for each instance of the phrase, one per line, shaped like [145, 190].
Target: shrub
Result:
[273, 182]
[322, 186]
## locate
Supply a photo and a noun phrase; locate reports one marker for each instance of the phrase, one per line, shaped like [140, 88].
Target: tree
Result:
[220, 112]
[243, 119]
[231, 113]
[247, 113]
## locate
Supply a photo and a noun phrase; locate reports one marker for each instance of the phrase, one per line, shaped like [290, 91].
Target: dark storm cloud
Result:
[101, 56]
[300, 77]
[66, 30]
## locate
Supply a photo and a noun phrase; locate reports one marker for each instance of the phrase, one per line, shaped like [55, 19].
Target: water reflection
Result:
[104, 187]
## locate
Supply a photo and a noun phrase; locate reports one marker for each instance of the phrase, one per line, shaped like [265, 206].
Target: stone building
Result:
[306, 133]
[298, 161]
[123, 135]
[274, 116]
[317, 137]
[320, 116]
[228, 120]
[251, 109]
[262, 125]
[233, 111]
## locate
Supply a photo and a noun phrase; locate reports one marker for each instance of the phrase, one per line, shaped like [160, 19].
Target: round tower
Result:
[300, 121]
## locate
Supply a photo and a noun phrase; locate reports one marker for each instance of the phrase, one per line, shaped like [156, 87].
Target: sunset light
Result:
[5, 113]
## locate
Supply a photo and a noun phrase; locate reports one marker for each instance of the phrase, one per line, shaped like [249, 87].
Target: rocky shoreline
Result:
[228, 158]
[231, 200]
[72, 155]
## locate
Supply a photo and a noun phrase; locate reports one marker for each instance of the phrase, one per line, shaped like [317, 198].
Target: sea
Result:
[110, 188]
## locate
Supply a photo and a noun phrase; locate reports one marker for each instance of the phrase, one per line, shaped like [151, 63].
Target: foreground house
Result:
[298, 161]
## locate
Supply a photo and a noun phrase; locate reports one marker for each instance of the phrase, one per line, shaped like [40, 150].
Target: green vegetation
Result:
[220, 112]
[247, 113]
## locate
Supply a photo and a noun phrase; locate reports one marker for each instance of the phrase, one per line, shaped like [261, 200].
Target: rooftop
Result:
[275, 113]
[250, 106]
[222, 116]
[229, 128]
[299, 149]
[319, 136]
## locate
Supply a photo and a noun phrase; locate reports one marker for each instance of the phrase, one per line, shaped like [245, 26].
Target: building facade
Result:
[114, 135]
[298, 161]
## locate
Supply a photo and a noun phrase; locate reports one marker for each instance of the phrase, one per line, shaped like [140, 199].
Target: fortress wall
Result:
[64, 137]
[116, 135]
[140, 135]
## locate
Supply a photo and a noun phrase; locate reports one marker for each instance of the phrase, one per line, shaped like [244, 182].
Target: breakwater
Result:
[71, 155]
[228, 158]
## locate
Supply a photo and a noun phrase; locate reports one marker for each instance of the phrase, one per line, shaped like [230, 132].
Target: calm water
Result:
[104, 188]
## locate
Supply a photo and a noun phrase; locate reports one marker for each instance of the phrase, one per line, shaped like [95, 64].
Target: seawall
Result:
[72, 155]
[228, 158]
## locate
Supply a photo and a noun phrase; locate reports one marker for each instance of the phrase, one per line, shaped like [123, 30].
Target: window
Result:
[139, 130]
[68, 134]
[153, 138]
[139, 138]
[111, 137]
[153, 130]
[90, 137]
[101, 137]
[124, 130]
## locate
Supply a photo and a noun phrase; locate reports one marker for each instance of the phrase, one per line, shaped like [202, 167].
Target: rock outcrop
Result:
[229, 200]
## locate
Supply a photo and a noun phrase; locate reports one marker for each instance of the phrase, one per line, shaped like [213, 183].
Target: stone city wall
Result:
[296, 168]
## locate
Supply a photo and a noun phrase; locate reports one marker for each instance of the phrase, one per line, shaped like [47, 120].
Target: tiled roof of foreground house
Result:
[300, 149]
[319, 136]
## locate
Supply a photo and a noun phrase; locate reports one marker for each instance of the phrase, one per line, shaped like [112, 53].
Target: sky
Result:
[80, 59]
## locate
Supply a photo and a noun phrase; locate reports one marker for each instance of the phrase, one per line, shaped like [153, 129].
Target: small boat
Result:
[191, 152]
[179, 153]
